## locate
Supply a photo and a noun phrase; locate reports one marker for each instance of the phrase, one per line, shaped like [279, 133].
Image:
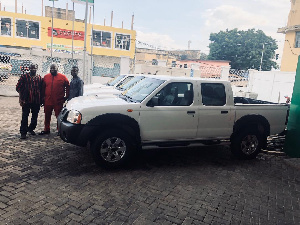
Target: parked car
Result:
[121, 86]
[164, 111]
[110, 84]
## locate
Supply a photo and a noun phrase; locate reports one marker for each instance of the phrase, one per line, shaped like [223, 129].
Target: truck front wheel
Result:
[112, 149]
[247, 144]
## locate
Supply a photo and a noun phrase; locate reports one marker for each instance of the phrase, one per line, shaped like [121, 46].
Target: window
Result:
[27, 29]
[297, 43]
[185, 66]
[122, 41]
[213, 94]
[6, 26]
[173, 64]
[176, 94]
[154, 62]
[101, 39]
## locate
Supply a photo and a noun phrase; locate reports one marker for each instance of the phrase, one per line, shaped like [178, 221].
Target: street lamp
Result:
[262, 55]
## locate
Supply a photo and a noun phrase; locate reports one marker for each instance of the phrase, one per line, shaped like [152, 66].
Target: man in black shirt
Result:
[76, 85]
[29, 88]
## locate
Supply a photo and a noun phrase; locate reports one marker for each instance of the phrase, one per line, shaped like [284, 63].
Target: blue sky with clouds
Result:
[170, 24]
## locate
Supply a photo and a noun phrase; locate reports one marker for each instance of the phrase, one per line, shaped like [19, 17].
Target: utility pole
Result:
[52, 30]
[189, 44]
[85, 30]
[262, 56]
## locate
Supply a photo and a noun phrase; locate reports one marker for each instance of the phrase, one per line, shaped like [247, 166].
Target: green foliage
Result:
[243, 49]
[183, 57]
[203, 56]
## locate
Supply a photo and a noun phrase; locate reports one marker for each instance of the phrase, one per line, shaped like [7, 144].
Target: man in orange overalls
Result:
[56, 88]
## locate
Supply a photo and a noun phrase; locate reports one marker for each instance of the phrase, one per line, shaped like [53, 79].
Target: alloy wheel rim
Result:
[113, 149]
[249, 144]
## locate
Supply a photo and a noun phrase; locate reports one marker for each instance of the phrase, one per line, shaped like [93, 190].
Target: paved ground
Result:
[46, 181]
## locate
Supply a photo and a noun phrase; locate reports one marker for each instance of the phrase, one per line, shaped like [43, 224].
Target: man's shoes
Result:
[23, 136]
[44, 132]
[31, 132]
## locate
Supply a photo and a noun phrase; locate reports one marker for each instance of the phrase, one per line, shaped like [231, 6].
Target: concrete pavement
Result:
[46, 181]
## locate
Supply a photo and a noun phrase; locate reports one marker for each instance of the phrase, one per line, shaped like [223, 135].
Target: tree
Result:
[183, 57]
[203, 56]
[243, 49]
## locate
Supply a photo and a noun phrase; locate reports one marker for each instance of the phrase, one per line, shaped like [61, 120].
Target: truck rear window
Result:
[213, 94]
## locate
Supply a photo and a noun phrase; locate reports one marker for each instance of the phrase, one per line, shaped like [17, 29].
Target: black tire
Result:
[113, 149]
[247, 144]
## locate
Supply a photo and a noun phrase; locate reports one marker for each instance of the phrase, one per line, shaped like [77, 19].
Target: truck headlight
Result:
[74, 117]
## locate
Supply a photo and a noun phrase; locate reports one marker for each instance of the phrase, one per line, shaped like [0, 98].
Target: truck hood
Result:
[92, 101]
[103, 93]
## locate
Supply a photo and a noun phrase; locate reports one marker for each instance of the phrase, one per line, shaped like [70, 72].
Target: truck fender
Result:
[112, 120]
[254, 121]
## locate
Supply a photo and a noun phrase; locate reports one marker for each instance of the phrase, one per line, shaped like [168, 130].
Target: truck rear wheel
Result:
[112, 149]
[247, 144]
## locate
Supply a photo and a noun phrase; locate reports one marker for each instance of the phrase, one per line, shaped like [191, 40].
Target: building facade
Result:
[291, 49]
[153, 57]
[106, 46]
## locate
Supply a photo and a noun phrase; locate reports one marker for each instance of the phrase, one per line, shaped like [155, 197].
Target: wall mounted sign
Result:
[62, 33]
[65, 48]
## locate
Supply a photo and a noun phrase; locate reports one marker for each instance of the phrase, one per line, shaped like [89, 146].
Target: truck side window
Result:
[176, 94]
[213, 94]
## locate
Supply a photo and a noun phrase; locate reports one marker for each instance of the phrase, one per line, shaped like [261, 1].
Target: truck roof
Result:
[181, 78]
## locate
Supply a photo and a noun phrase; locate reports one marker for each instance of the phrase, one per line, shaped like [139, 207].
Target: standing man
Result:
[76, 85]
[56, 90]
[29, 88]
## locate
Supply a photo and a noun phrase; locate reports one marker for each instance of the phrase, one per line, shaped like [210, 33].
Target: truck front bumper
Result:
[69, 132]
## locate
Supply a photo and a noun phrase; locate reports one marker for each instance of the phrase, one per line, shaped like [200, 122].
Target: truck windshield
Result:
[124, 81]
[130, 83]
[115, 80]
[142, 89]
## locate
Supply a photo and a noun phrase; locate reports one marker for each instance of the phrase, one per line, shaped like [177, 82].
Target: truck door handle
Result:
[191, 112]
[224, 112]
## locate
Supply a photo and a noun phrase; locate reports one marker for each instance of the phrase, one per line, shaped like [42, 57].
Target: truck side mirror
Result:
[153, 102]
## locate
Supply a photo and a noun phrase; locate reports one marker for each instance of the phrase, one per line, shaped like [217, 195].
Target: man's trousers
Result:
[48, 112]
[26, 108]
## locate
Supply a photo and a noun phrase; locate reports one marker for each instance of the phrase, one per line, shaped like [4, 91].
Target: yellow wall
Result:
[290, 53]
[294, 15]
[45, 22]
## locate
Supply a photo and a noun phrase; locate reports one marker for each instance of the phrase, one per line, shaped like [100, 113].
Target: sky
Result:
[171, 24]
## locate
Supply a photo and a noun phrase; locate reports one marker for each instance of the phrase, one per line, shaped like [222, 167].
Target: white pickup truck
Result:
[164, 111]
[118, 88]
[111, 85]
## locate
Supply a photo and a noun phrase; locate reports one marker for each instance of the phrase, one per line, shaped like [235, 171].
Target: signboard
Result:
[91, 2]
[62, 33]
[65, 48]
